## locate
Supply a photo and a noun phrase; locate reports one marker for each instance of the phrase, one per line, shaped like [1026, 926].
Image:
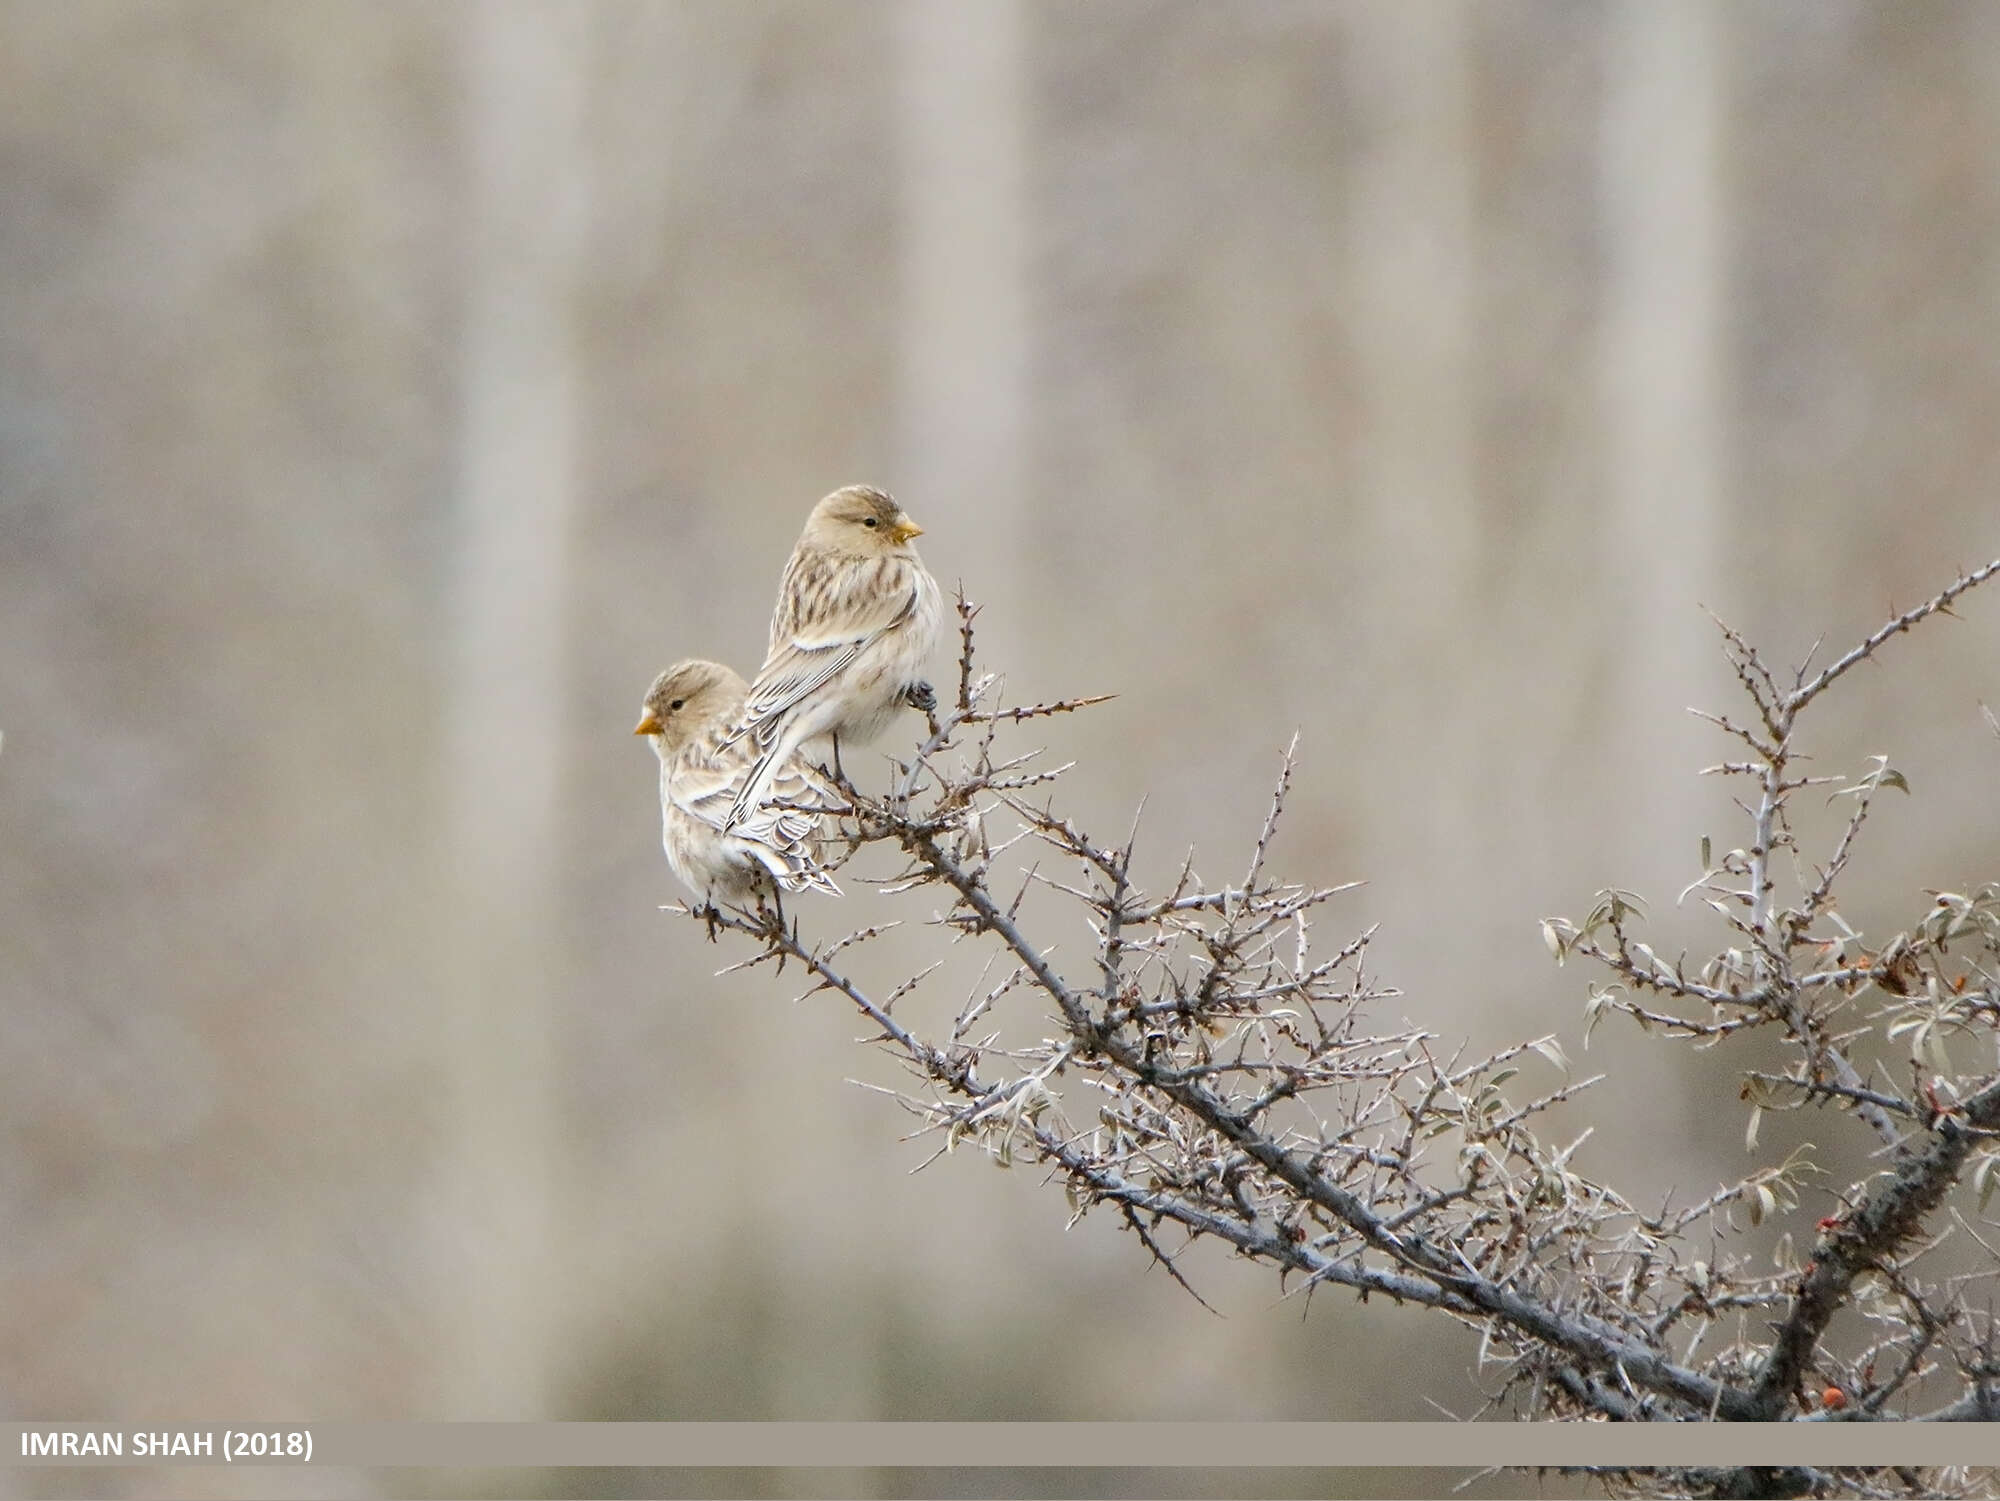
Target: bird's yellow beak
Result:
[648, 725]
[905, 529]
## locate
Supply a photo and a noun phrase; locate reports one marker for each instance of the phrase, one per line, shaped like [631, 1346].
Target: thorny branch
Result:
[1205, 1074]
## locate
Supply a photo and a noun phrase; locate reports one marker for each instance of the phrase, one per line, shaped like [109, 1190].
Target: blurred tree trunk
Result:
[964, 339]
[1410, 257]
[1663, 416]
[505, 702]
[1410, 217]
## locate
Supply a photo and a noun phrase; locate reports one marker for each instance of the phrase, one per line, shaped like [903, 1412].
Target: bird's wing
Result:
[703, 785]
[824, 632]
[802, 795]
[782, 832]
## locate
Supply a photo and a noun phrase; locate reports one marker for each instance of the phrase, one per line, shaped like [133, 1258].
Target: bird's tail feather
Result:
[756, 789]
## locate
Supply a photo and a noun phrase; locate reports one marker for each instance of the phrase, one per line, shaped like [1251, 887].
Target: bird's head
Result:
[860, 521]
[686, 699]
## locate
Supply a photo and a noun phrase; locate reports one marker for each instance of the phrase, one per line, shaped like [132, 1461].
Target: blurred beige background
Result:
[387, 391]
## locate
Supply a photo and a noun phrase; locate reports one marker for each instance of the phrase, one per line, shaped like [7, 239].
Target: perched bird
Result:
[688, 713]
[857, 616]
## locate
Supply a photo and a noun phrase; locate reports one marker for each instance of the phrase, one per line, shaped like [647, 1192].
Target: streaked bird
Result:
[857, 617]
[688, 714]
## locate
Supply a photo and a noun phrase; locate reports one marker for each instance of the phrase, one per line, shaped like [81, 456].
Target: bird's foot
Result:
[920, 696]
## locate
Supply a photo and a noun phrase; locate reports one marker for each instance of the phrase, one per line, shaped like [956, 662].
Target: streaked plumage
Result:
[857, 617]
[688, 714]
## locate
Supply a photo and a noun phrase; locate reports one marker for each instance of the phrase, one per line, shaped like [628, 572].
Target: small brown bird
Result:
[857, 616]
[688, 713]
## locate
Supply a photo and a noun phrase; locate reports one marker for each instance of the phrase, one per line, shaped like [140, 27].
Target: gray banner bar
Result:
[984, 1445]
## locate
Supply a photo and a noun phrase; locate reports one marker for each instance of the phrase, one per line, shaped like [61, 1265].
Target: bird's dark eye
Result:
[676, 703]
[870, 522]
